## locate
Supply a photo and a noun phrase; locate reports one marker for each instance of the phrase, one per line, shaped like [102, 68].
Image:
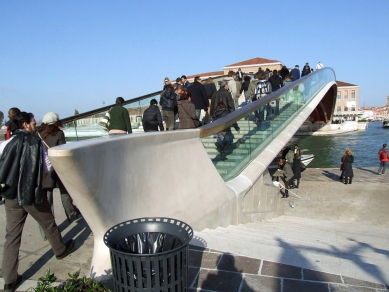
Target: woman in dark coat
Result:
[347, 173]
[296, 166]
[245, 87]
[186, 111]
[210, 89]
[51, 134]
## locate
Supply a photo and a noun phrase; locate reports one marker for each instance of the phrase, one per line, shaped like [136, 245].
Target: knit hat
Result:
[50, 118]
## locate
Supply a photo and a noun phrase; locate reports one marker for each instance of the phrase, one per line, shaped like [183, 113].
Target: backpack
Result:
[383, 155]
[289, 156]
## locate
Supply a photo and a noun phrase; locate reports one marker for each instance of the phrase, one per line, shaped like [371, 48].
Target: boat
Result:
[385, 124]
[305, 159]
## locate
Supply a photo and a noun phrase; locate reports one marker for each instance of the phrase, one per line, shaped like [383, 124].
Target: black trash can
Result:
[149, 254]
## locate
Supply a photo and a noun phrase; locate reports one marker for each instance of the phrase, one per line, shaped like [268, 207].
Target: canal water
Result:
[329, 149]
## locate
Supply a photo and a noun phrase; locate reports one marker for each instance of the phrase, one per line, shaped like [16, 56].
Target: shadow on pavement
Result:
[331, 175]
[80, 228]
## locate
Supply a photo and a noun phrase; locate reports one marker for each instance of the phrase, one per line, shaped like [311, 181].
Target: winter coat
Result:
[296, 166]
[119, 119]
[168, 100]
[347, 161]
[306, 70]
[275, 81]
[383, 150]
[245, 86]
[231, 85]
[21, 169]
[186, 114]
[238, 89]
[284, 72]
[199, 95]
[295, 74]
[51, 178]
[210, 89]
[251, 89]
[222, 95]
[288, 172]
[152, 118]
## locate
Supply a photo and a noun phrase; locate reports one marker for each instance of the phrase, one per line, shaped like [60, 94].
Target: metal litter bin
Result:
[149, 254]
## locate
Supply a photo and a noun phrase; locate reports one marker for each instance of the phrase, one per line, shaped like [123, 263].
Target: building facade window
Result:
[345, 96]
[345, 108]
[353, 109]
[339, 96]
[338, 108]
[352, 95]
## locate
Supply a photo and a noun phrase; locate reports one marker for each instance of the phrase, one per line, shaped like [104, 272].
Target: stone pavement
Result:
[365, 201]
[323, 197]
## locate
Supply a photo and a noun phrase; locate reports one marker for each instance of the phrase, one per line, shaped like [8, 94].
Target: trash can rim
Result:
[167, 220]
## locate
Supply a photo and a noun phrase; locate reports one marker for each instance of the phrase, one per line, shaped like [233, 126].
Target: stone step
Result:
[284, 253]
[315, 244]
[314, 236]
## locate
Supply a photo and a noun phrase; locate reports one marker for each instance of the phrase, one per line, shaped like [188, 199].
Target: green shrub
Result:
[74, 283]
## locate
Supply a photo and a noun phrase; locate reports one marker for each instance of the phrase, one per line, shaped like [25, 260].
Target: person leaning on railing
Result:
[119, 122]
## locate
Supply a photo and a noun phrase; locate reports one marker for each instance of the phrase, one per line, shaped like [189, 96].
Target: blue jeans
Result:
[382, 167]
[198, 113]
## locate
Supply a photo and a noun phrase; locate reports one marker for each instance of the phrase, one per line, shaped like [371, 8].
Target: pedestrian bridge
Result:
[180, 174]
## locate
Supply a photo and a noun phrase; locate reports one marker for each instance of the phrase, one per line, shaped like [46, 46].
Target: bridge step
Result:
[308, 243]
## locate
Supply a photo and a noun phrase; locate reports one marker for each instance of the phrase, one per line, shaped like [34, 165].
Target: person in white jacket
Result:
[319, 66]
[231, 84]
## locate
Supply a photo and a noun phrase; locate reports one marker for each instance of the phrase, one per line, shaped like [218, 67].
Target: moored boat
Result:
[305, 159]
[385, 124]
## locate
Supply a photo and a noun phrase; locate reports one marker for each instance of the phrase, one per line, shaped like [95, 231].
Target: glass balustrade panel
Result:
[233, 149]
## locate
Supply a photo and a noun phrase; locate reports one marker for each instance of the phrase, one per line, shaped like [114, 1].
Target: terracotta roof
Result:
[207, 74]
[343, 84]
[254, 61]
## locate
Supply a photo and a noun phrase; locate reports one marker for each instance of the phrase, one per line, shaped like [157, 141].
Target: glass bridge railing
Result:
[253, 136]
[258, 123]
[86, 125]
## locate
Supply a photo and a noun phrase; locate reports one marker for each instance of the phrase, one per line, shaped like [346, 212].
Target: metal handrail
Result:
[106, 108]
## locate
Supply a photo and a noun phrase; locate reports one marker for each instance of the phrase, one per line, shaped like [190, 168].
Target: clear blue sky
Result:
[65, 55]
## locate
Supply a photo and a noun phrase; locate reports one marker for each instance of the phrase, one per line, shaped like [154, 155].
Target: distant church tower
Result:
[387, 100]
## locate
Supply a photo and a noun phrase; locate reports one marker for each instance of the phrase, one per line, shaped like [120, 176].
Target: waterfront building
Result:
[346, 100]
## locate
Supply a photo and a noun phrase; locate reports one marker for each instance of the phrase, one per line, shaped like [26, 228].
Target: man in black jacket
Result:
[224, 96]
[199, 96]
[21, 167]
[152, 118]
[168, 101]
[276, 83]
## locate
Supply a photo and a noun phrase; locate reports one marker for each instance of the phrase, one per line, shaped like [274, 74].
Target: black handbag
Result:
[197, 123]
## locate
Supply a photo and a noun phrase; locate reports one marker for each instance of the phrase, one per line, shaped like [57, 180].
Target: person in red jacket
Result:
[383, 153]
